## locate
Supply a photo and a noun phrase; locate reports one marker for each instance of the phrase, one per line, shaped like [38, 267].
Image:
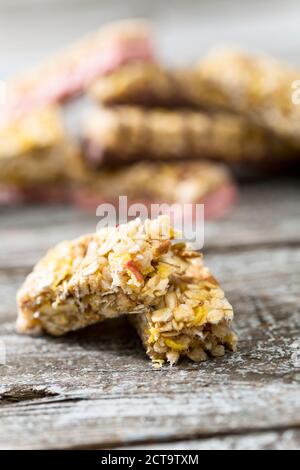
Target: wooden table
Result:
[96, 389]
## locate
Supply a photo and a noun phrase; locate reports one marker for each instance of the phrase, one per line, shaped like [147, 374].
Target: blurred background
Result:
[184, 29]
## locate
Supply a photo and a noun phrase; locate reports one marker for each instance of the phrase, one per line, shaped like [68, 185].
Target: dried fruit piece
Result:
[131, 266]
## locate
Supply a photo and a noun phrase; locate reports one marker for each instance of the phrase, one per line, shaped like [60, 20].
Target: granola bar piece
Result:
[126, 134]
[176, 184]
[193, 319]
[257, 87]
[69, 72]
[113, 271]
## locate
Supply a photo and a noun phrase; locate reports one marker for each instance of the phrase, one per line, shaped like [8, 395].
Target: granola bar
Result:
[125, 134]
[34, 149]
[147, 84]
[113, 271]
[70, 72]
[177, 306]
[257, 87]
[205, 183]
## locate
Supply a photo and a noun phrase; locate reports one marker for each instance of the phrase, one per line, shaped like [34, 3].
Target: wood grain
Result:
[96, 388]
[287, 440]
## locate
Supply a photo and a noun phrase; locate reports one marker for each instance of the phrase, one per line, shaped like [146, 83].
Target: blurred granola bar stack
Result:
[157, 134]
[190, 121]
[155, 156]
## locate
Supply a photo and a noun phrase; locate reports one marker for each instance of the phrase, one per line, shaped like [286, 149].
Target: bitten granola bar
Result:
[71, 71]
[173, 183]
[126, 134]
[138, 269]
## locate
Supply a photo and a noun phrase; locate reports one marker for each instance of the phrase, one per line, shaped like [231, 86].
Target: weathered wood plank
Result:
[96, 388]
[287, 440]
[267, 214]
